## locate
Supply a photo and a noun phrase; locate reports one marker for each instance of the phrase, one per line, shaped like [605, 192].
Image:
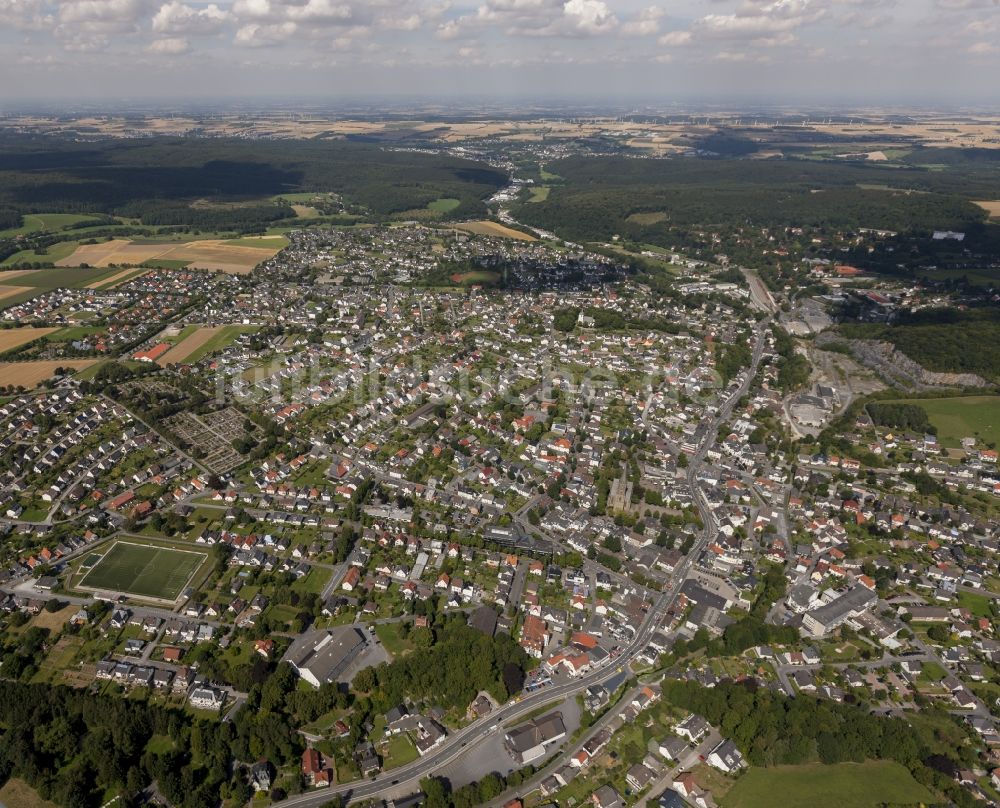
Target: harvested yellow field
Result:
[487, 228]
[119, 278]
[16, 337]
[991, 207]
[208, 254]
[95, 255]
[10, 291]
[218, 255]
[9, 275]
[31, 374]
[305, 211]
[187, 346]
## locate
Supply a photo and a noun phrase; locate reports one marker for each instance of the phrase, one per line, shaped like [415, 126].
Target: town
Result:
[497, 512]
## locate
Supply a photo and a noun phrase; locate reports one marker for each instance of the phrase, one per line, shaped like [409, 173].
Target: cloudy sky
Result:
[794, 51]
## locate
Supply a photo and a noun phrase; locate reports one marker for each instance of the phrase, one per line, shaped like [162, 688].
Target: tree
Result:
[366, 680]
[435, 792]
[513, 678]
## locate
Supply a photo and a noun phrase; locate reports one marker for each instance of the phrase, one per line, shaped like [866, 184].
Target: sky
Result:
[832, 52]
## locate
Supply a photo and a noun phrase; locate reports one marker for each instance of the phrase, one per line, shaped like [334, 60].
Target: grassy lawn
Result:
[446, 205]
[399, 751]
[857, 785]
[282, 612]
[979, 605]
[18, 794]
[160, 744]
[962, 417]
[144, 570]
[164, 263]
[74, 332]
[388, 635]
[712, 780]
[932, 672]
[316, 579]
[539, 193]
[325, 722]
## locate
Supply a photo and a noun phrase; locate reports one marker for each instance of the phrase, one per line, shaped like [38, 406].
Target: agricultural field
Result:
[120, 277]
[18, 286]
[11, 338]
[36, 222]
[488, 228]
[859, 785]
[144, 570]
[201, 342]
[189, 344]
[236, 256]
[962, 417]
[265, 242]
[31, 374]
[992, 207]
[14, 291]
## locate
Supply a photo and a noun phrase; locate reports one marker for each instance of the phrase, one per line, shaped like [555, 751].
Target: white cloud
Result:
[756, 20]
[24, 15]
[675, 38]
[966, 5]
[170, 46]
[535, 18]
[321, 11]
[645, 23]
[258, 35]
[589, 16]
[177, 18]
[107, 15]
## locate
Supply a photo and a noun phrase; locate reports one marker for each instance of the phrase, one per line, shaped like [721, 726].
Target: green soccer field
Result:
[144, 570]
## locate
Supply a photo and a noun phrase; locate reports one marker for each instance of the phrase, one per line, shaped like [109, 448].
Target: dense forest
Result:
[10, 218]
[461, 662]
[731, 359]
[148, 178]
[793, 368]
[942, 340]
[79, 749]
[900, 416]
[597, 198]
